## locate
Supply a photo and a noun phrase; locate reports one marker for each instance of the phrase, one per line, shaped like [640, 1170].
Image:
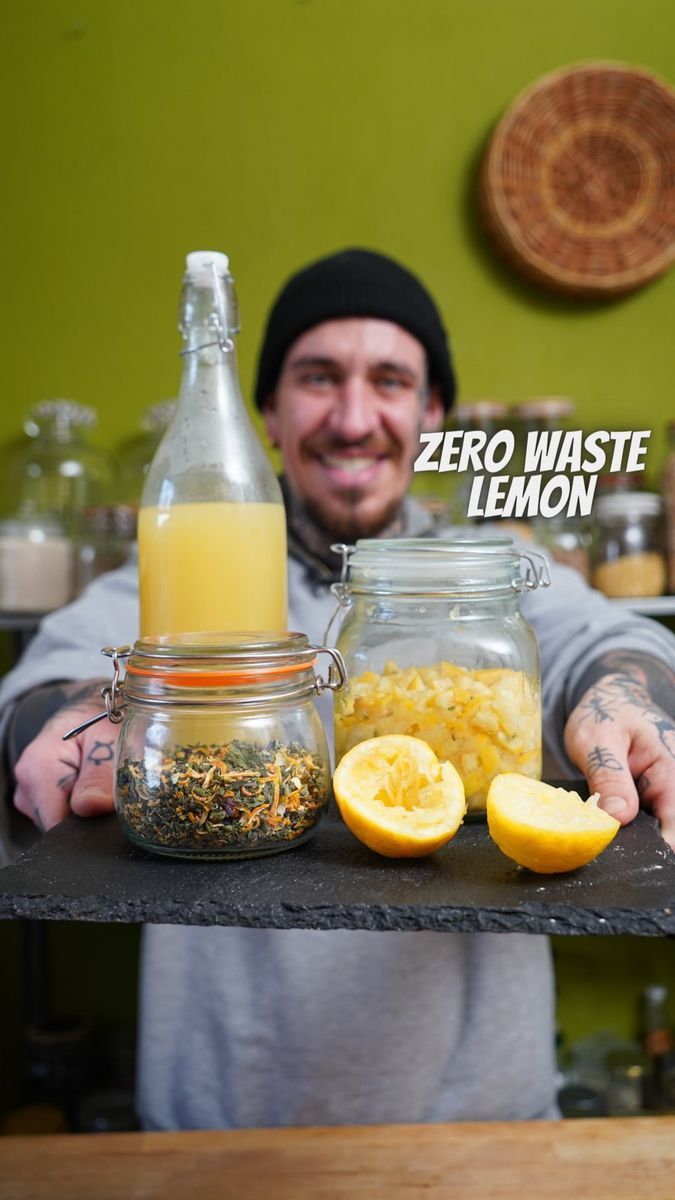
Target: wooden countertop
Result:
[603, 1159]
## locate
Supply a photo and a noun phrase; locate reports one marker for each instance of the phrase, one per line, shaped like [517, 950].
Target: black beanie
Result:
[354, 283]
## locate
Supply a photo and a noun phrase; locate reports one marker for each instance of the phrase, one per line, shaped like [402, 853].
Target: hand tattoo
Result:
[66, 781]
[638, 670]
[101, 752]
[614, 691]
[601, 756]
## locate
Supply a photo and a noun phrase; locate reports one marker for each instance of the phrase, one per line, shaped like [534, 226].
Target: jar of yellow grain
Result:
[436, 647]
[629, 549]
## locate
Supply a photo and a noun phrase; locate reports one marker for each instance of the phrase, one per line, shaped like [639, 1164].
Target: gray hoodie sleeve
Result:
[576, 625]
[69, 641]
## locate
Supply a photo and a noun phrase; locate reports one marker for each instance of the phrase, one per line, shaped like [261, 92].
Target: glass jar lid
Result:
[220, 659]
[433, 565]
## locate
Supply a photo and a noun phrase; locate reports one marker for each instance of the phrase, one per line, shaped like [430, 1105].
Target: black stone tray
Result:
[86, 870]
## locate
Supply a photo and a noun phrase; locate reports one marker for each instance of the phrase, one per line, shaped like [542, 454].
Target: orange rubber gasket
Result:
[219, 678]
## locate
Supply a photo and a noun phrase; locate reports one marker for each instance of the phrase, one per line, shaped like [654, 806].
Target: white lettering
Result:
[424, 461]
[597, 461]
[541, 451]
[504, 438]
[637, 450]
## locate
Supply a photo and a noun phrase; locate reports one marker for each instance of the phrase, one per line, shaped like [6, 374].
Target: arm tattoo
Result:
[600, 756]
[612, 691]
[77, 696]
[639, 671]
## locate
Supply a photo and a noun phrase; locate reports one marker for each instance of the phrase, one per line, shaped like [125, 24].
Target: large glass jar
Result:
[36, 564]
[628, 548]
[55, 469]
[436, 647]
[222, 753]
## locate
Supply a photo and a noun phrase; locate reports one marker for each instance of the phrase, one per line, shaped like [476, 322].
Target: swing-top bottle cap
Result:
[199, 264]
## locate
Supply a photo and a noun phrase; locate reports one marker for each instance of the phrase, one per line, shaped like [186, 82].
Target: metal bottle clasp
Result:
[537, 574]
[114, 709]
[337, 672]
[340, 590]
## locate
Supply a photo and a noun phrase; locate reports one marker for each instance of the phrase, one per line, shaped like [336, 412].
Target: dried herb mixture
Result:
[238, 796]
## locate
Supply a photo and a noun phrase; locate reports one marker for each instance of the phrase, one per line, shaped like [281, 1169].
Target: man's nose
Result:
[354, 415]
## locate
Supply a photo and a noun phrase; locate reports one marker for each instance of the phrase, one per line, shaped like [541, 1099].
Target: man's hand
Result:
[624, 741]
[53, 776]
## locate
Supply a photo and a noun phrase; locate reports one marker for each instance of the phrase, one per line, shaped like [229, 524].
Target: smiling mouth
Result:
[351, 464]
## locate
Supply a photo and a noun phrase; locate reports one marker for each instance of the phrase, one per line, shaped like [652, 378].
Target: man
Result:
[243, 1027]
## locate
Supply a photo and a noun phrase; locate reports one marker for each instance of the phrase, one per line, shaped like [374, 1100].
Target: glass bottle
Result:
[55, 470]
[657, 1043]
[212, 526]
[436, 647]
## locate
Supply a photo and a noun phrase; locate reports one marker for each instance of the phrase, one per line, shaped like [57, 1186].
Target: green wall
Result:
[136, 130]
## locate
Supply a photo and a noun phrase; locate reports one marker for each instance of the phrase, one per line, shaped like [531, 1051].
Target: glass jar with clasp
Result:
[222, 753]
[436, 647]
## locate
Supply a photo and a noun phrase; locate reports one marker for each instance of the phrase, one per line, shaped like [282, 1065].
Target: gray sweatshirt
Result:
[249, 1027]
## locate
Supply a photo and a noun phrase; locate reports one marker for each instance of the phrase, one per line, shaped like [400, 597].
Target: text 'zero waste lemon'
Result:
[397, 797]
[545, 828]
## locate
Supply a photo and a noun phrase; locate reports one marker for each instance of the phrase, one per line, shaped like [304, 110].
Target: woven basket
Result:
[577, 186]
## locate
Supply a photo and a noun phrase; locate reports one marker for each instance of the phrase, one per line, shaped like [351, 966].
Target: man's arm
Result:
[52, 775]
[621, 735]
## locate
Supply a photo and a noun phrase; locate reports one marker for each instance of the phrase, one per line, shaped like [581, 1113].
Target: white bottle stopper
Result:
[199, 265]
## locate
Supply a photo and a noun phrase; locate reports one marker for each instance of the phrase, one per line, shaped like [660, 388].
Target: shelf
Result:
[85, 870]
[649, 606]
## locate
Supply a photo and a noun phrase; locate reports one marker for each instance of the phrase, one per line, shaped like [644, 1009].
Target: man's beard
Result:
[349, 524]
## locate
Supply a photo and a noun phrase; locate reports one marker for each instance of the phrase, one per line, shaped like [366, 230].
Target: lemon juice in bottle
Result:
[212, 528]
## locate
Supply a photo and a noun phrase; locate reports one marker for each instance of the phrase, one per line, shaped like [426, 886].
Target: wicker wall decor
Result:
[577, 186]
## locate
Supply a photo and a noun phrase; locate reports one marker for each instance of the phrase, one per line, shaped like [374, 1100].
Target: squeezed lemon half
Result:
[397, 798]
[545, 828]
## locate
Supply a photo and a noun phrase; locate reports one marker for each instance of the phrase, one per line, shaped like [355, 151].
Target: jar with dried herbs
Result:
[222, 752]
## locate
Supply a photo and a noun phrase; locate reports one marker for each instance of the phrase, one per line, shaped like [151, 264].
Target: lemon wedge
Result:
[545, 828]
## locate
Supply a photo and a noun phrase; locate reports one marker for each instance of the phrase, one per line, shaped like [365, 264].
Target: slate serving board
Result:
[86, 870]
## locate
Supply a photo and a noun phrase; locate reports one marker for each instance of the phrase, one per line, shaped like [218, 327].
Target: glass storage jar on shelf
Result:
[436, 647]
[104, 540]
[135, 453]
[221, 753]
[36, 564]
[55, 469]
[485, 415]
[628, 547]
[567, 539]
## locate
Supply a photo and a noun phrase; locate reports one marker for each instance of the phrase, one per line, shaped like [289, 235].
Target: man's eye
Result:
[317, 379]
[392, 383]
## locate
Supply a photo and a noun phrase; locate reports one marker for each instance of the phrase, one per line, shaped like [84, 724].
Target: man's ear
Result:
[271, 419]
[433, 415]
